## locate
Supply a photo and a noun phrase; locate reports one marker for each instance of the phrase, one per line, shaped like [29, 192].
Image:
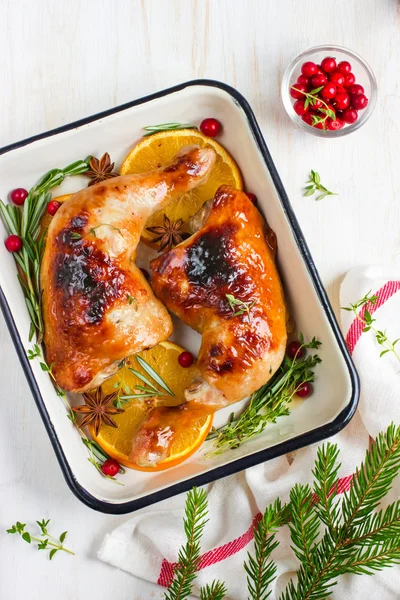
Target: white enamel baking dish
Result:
[336, 394]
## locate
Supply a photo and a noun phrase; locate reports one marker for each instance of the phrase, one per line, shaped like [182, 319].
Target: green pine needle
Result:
[330, 536]
[188, 556]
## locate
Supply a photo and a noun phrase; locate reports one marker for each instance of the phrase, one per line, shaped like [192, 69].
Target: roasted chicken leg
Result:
[97, 306]
[223, 282]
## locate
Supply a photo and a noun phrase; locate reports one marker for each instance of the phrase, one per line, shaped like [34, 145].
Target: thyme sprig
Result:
[45, 541]
[367, 321]
[239, 304]
[268, 403]
[25, 222]
[311, 99]
[314, 185]
[151, 129]
[331, 536]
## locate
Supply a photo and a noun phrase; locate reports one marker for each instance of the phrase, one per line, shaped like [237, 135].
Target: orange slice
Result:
[159, 149]
[163, 358]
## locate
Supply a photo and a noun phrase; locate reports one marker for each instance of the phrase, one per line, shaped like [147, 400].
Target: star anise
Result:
[169, 234]
[97, 409]
[100, 169]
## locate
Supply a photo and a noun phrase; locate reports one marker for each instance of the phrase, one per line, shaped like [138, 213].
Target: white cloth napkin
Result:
[147, 544]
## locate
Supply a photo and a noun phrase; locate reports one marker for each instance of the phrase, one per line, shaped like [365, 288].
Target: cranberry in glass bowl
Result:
[347, 75]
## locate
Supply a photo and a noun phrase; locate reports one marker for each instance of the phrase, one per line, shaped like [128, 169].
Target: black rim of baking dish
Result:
[311, 437]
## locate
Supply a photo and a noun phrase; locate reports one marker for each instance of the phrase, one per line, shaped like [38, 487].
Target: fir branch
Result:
[215, 591]
[304, 525]
[188, 556]
[325, 486]
[260, 570]
[367, 321]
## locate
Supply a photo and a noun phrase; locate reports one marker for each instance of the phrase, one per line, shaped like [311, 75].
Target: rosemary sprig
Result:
[25, 222]
[311, 99]
[367, 321]
[151, 129]
[149, 390]
[314, 185]
[240, 304]
[45, 541]
[330, 537]
[268, 403]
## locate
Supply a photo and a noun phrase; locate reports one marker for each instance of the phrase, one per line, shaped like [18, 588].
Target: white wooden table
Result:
[67, 59]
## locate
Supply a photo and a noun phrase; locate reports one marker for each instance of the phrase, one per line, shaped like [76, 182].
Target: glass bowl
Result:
[362, 71]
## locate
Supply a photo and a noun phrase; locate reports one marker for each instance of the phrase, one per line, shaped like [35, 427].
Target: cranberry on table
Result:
[210, 127]
[309, 69]
[145, 273]
[185, 359]
[342, 100]
[349, 79]
[344, 67]
[303, 80]
[304, 390]
[350, 115]
[252, 197]
[110, 467]
[328, 65]
[318, 80]
[329, 91]
[299, 108]
[359, 101]
[356, 89]
[13, 243]
[295, 349]
[296, 91]
[53, 207]
[336, 78]
[18, 196]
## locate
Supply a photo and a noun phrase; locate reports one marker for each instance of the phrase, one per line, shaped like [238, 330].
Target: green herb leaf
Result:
[315, 178]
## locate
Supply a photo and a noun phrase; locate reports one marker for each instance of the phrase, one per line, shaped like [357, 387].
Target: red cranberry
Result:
[344, 67]
[185, 359]
[336, 78]
[356, 89]
[295, 350]
[341, 88]
[342, 100]
[359, 101]
[145, 273]
[253, 197]
[53, 207]
[320, 70]
[328, 91]
[328, 64]
[210, 127]
[299, 108]
[318, 80]
[18, 196]
[334, 124]
[349, 79]
[303, 80]
[297, 93]
[110, 467]
[317, 104]
[320, 125]
[309, 69]
[350, 115]
[304, 390]
[13, 243]
[308, 118]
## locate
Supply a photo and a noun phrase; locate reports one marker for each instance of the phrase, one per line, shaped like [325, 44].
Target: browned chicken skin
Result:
[97, 306]
[242, 345]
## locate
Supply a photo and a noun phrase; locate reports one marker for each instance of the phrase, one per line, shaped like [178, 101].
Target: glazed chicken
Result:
[223, 282]
[97, 306]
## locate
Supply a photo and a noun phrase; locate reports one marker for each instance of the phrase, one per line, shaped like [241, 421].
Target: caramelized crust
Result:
[242, 347]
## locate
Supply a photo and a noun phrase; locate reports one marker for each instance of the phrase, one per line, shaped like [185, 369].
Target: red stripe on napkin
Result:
[356, 328]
